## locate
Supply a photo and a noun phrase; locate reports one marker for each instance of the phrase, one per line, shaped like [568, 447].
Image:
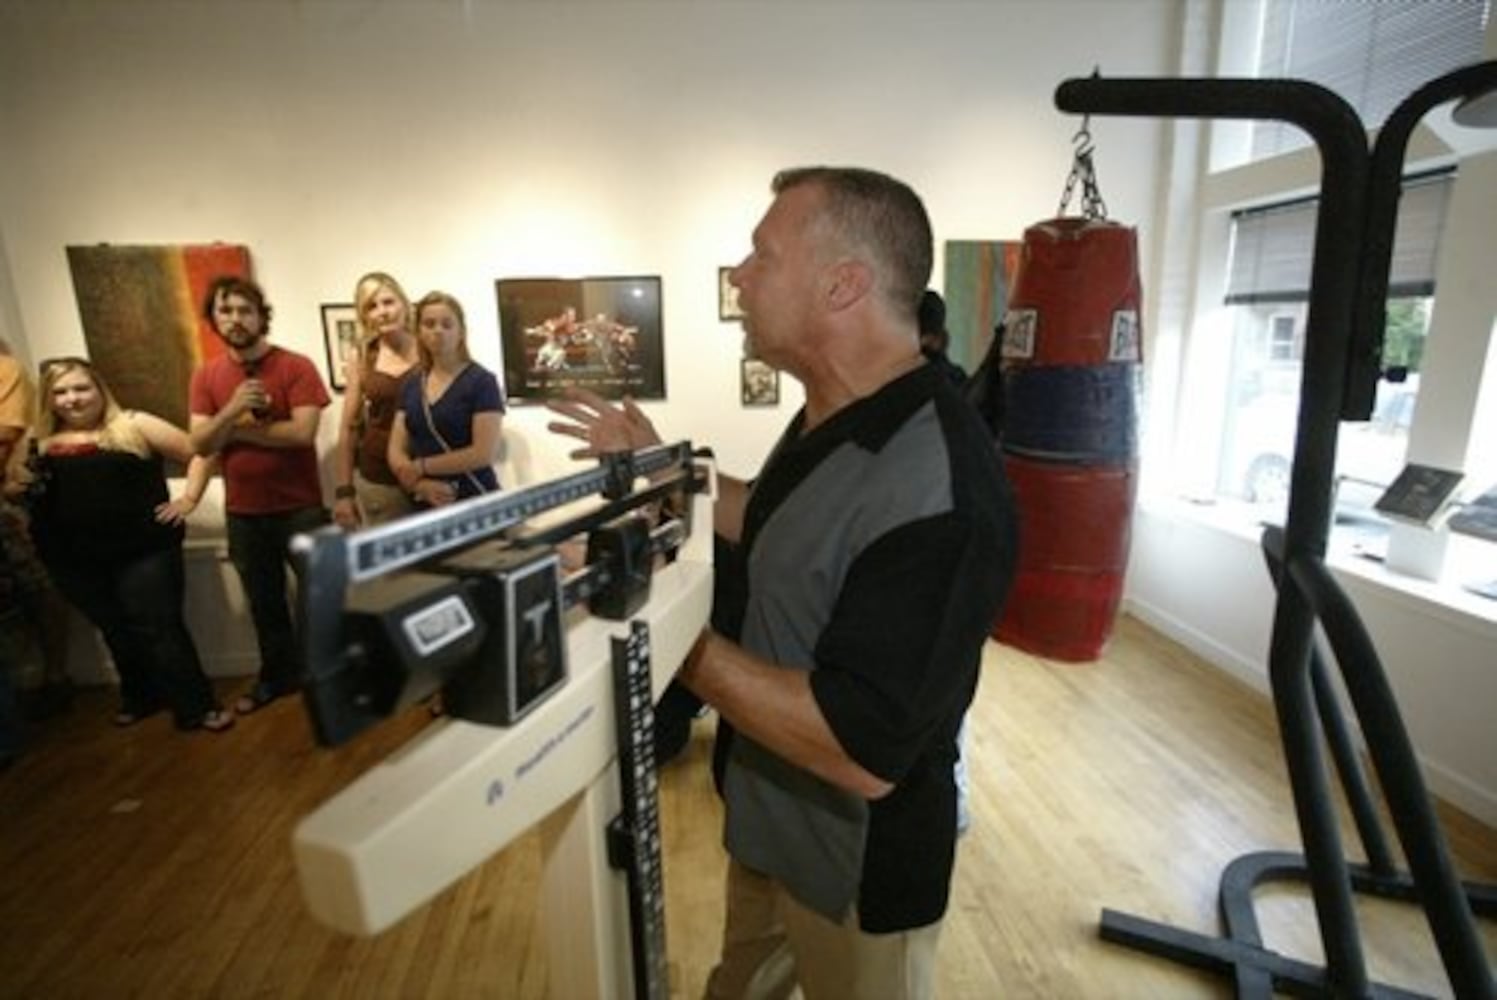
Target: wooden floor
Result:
[148, 863]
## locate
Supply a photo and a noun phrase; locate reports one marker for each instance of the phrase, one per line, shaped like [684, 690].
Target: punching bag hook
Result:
[1082, 169]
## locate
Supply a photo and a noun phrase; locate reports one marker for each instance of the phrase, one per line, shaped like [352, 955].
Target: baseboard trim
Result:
[1445, 784]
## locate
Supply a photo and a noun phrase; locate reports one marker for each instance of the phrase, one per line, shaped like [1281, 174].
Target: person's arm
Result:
[10, 438]
[776, 708]
[211, 433]
[300, 431]
[727, 510]
[345, 509]
[164, 437]
[15, 410]
[398, 454]
[478, 455]
[171, 441]
[200, 469]
[432, 492]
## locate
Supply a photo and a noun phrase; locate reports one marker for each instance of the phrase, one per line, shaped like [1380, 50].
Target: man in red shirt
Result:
[258, 408]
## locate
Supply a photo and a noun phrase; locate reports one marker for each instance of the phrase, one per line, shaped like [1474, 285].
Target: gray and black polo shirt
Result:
[877, 548]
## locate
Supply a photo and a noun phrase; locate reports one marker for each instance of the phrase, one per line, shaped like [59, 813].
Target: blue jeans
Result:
[258, 547]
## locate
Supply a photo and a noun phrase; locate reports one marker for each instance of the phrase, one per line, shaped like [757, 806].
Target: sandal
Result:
[127, 717]
[215, 721]
[256, 698]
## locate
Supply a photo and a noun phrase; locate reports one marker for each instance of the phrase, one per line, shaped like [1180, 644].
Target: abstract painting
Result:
[979, 275]
[142, 320]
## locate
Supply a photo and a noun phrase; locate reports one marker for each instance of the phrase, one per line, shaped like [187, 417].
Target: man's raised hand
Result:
[603, 426]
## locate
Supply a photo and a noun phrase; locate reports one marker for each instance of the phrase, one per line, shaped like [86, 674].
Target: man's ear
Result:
[849, 281]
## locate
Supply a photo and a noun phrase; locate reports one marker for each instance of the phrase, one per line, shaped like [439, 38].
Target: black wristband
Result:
[345, 493]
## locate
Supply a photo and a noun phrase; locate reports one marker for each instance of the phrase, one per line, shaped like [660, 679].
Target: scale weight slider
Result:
[402, 638]
[622, 548]
[523, 656]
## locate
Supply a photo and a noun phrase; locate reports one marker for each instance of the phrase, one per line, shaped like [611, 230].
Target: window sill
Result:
[1355, 563]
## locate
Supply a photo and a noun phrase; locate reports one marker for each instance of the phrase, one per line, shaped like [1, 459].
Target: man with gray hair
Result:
[877, 543]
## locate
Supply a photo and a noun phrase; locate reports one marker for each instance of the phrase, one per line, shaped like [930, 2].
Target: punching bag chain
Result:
[1082, 169]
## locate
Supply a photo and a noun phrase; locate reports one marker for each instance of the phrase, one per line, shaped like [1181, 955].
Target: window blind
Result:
[1372, 54]
[1272, 245]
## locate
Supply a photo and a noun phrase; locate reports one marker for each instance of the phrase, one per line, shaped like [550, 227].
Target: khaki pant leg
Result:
[756, 963]
[840, 962]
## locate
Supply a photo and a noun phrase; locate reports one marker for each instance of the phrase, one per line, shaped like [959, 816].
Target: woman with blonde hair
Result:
[111, 538]
[446, 433]
[367, 490]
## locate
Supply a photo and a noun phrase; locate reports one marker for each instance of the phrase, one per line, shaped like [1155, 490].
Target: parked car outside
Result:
[1369, 454]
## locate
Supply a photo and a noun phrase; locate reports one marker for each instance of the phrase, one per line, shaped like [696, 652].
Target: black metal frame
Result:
[1358, 206]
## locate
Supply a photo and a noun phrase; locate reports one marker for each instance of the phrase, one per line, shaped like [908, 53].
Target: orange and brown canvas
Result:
[142, 319]
[979, 274]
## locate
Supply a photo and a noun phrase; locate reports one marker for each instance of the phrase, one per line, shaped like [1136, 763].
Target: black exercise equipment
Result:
[1353, 246]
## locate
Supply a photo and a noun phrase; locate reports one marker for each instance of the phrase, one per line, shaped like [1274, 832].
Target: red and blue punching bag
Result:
[1070, 358]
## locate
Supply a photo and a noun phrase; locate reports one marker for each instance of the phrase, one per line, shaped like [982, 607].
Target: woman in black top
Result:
[111, 536]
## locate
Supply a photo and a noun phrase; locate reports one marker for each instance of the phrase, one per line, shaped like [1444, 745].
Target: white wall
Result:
[453, 143]
[1203, 582]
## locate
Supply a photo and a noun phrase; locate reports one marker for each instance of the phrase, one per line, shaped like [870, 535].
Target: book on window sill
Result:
[1478, 518]
[1420, 495]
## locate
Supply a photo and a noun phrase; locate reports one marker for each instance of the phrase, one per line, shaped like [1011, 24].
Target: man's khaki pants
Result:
[771, 943]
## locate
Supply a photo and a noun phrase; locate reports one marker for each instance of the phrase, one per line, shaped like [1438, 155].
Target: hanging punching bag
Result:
[1070, 359]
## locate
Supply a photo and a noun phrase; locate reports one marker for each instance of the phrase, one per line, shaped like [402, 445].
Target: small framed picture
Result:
[758, 384]
[727, 296]
[340, 335]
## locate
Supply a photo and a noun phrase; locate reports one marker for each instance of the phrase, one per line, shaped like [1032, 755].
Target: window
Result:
[1272, 245]
[1333, 44]
[1283, 338]
[1268, 293]
[1224, 378]
[1258, 435]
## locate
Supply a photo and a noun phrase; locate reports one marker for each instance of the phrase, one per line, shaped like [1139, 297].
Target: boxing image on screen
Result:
[602, 334]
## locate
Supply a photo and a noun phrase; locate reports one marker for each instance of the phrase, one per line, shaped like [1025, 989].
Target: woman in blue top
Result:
[446, 434]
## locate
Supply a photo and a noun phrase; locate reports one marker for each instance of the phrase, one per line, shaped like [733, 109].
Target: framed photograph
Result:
[758, 384]
[1421, 494]
[602, 334]
[727, 296]
[340, 335]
